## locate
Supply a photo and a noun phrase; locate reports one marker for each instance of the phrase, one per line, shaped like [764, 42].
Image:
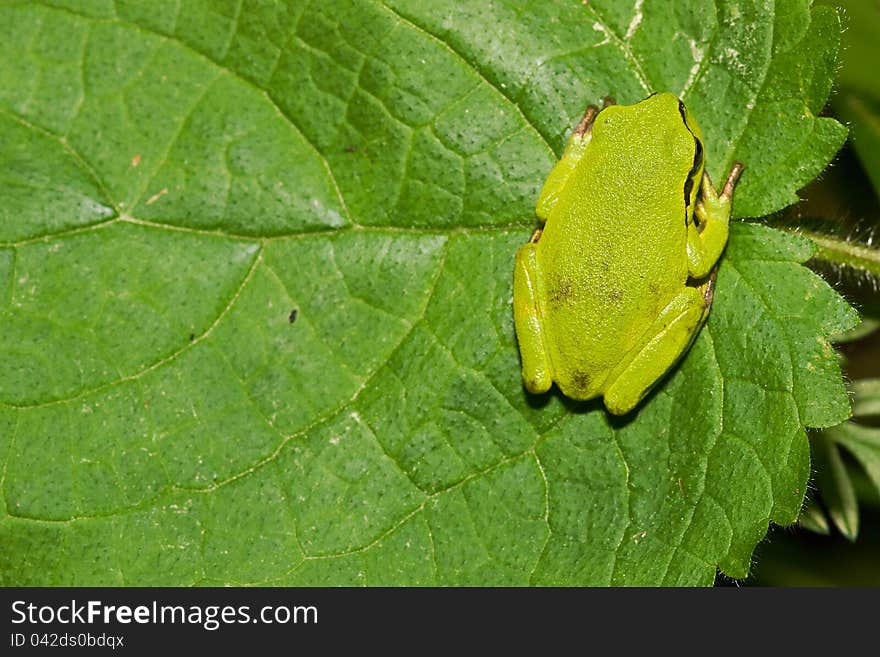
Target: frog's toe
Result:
[619, 403]
[537, 382]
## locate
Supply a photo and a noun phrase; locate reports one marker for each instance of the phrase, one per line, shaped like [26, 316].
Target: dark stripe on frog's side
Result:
[688, 189]
[683, 113]
[698, 161]
[690, 183]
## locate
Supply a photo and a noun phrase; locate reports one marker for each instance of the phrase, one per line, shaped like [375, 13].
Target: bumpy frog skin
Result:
[615, 287]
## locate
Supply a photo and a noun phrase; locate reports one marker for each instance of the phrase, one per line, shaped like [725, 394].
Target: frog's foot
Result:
[663, 344]
[558, 178]
[711, 202]
[575, 148]
[707, 234]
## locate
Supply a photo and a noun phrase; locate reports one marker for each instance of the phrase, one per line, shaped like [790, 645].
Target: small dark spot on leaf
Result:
[350, 149]
[292, 317]
[192, 336]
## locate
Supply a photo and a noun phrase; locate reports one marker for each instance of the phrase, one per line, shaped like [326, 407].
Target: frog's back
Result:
[617, 243]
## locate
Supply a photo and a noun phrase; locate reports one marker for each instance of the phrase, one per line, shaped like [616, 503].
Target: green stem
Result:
[838, 251]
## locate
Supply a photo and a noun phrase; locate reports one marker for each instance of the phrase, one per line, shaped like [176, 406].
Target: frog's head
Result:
[659, 140]
[667, 105]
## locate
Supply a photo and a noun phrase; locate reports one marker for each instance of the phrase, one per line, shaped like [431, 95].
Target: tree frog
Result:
[614, 288]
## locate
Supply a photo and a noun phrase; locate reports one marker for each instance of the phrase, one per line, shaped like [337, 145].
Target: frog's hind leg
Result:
[559, 175]
[537, 372]
[663, 344]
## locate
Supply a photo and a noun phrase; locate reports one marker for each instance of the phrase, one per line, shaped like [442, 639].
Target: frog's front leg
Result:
[707, 233]
[668, 337]
[537, 373]
[575, 148]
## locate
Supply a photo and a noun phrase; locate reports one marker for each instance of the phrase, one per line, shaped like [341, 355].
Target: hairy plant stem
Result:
[840, 252]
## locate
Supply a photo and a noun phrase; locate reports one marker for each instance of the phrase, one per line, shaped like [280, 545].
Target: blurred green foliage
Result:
[837, 542]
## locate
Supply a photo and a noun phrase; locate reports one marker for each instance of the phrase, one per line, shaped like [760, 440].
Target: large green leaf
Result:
[178, 178]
